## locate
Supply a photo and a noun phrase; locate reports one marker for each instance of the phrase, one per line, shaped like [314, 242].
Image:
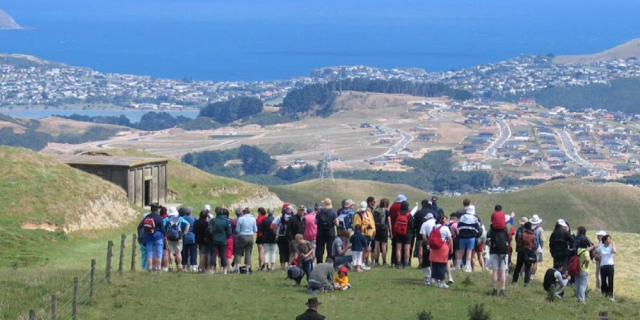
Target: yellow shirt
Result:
[366, 221]
[342, 281]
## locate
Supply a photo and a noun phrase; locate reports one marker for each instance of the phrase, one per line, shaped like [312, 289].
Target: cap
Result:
[207, 208]
[429, 216]
[401, 197]
[601, 233]
[343, 269]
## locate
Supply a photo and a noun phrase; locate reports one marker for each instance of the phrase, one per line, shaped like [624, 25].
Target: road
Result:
[570, 149]
[406, 139]
[505, 134]
[435, 114]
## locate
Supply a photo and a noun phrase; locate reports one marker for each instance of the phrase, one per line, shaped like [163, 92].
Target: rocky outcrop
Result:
[107, 209]
[6, 22]
[265, 200]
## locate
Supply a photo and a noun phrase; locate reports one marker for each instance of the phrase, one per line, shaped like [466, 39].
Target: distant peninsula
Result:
[7, 22]
[630, 49]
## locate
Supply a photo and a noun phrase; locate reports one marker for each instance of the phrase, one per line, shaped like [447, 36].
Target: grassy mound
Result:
[309, 192]
[595, 206]
[40, 192]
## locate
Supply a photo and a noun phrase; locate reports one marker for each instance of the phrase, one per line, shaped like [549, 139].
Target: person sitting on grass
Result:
[305, 253]
[358, 243]
[339, 249]
[554, 276]
[341, 281]
[321, 278]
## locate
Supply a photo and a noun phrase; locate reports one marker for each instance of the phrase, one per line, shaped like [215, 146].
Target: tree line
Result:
[150, 121]
[36, 140]
[317, 99]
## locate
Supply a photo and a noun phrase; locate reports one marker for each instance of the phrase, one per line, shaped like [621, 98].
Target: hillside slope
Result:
[624, 51]
[612, 206]
[193, 187]
[39, 193]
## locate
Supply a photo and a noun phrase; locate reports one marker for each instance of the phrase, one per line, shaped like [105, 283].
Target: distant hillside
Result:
[7, 22]
[624, 51]
[194, 187]
[618, 95]
[612, 206]
[27, 61]
[40, 193]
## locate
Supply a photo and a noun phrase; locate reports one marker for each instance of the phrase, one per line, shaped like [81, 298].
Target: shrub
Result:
[424, 315]
[477, 312]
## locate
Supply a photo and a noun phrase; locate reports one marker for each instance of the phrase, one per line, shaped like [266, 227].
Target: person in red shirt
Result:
[393, 211]
[262, 214]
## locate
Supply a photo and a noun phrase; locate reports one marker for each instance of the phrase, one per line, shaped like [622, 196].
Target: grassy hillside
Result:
[611, 206]
[40, 190]
[309, 192]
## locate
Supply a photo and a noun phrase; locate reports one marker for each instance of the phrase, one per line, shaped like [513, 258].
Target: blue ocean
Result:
[268, 40]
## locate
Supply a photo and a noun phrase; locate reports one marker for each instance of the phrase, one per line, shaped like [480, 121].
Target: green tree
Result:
[254, 160]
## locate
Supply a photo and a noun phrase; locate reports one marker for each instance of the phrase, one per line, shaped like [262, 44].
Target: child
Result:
[304, 254]
[358, 242]
[554, 276]
[341, 281]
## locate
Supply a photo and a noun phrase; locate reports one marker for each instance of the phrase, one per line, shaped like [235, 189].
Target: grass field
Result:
[383, 292]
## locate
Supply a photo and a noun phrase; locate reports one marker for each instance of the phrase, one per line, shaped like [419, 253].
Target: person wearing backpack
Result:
[220, 230]
[468, 231]
[383, 221]
[346, 216]
[202, 240]
[153, 238]
[559, 243]
[425, 232]
[189, 246]
[403, 235]
[143, 248]
[175, 229]
[262, 214]
[441, 246]
[556, 276]
[310, 227]
[583, 251]
[526, 253]
[364, 219]
[269, 241]
[419, 219]
[541, 238]
[326, 222]
[279, 225]
[393, 213]
[498, 240]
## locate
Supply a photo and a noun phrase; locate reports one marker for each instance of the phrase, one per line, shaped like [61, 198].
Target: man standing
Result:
[541, 239]
[468, 231]
[498, 258]
[312, 312]
[418, 220]
[246, 227]
[295, 226]
[326, 222]
[559, 243]
[364, 219]
[175, 228]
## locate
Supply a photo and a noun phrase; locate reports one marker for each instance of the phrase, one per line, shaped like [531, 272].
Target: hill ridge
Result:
[629, 49]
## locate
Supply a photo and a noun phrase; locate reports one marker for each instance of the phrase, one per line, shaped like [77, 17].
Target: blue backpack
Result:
[345, 220]
[173, 230]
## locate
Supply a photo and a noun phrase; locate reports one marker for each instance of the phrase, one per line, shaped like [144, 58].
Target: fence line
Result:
[85, 287]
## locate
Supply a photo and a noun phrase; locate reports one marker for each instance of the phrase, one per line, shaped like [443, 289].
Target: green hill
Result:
[595, 206]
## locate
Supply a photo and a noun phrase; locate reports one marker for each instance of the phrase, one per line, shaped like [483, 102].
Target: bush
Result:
[424, 315]
[551, 294]
[477, 312]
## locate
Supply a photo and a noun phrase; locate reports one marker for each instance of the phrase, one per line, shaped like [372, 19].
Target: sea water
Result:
[266, 40]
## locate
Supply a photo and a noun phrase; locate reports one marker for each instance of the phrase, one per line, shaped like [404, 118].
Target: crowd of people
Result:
[318, 241]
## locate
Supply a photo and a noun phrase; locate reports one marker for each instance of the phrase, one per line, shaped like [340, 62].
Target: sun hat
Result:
[326, 203]
[343, 269]
[601, 233]
[563, 223]
[535, 220]
[207, 208]
[313, 302]
[173, 211]
[348, 203]
[401, 197]
[523, 220]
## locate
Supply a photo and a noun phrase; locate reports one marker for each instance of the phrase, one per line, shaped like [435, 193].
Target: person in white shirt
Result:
[604, 254]
[425, 231]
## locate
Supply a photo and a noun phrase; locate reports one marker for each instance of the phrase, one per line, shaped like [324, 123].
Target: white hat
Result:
[601, 233]
[535, 220]
[401, 197]
[562, 223]
[363, 206]
[172, 211]
[206, 208]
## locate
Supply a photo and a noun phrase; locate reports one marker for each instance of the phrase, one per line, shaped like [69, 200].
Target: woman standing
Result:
[440, 257]
[270, 240]
[279, 225]
[383, 221]
[604, 254]
[526, 253]
[262, 214]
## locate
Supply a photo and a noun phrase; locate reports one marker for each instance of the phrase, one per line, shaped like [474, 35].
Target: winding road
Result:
[570, 149]
[505, 133]
[406, 139]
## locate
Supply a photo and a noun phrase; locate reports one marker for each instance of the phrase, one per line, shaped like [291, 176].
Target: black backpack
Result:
[379, 216]
[210, 232]
[268, 235]
[325, 223]
[499, 242]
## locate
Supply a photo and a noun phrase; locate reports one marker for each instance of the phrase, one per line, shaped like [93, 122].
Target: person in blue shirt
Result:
[189, 246]
[175, 227]
[153, 238]
[358, 243]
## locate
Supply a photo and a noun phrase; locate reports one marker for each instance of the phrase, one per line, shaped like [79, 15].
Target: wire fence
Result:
[84, 288]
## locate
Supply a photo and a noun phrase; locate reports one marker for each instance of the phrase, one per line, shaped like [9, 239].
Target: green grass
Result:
[383, 292]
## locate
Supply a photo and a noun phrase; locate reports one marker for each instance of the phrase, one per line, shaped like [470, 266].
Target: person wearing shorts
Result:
[498, 261]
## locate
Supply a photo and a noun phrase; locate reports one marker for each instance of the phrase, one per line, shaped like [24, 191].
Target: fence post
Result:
[93, 277]
[32, 315]
[53, 307]
[107, 274]
[74, 305]
[133, 252]
[122, 239]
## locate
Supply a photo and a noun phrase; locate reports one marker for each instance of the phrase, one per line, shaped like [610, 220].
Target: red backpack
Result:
[402, 224]
[435, 239]
[149, 225]
[573, 267]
